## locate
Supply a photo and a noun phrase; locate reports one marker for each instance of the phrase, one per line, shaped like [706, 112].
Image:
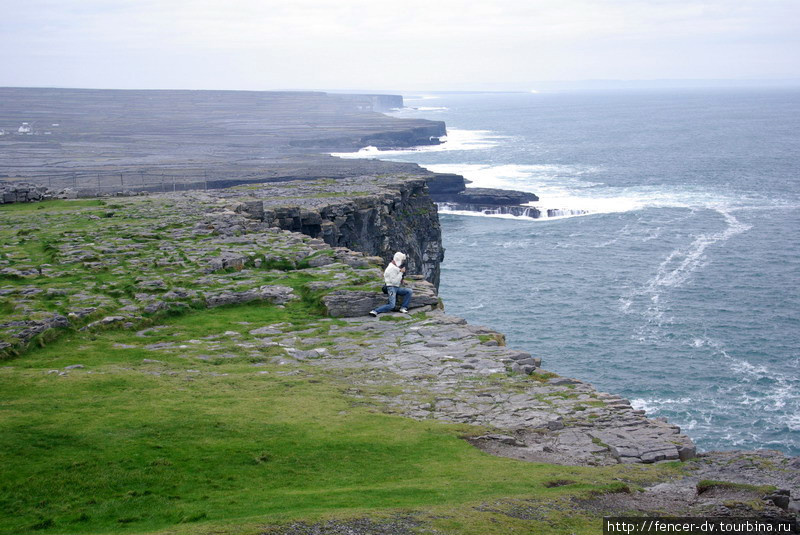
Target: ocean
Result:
[670, 275]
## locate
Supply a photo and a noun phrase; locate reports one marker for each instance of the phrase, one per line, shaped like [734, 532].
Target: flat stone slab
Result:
[444, 371]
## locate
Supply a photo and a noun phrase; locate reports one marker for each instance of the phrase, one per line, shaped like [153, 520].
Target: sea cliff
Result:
[247, 307]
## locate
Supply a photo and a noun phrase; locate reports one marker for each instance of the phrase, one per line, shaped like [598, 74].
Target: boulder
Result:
[354, 303]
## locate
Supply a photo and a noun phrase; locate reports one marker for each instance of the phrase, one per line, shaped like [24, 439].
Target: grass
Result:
[114, 448]
[58, 205]
[66, 250]
[204, 441]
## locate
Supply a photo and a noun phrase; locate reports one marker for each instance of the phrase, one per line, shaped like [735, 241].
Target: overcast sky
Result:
[397, 45]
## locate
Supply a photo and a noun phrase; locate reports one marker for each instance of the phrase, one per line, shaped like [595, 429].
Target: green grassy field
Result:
[152, 435]
[114, 448]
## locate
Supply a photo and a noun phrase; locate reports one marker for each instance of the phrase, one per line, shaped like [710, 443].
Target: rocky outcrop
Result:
[278, 295]
[400, 216]
[452, 188]
[487, 196]
[440, 367]
[445, 183]
[358, 303]
[237, 246]
[387, 139]
[27, 330]
[13, 192]
[422, 135]
[518, 211]
[449, 191]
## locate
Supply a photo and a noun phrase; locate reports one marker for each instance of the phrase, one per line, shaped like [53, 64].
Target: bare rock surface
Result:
[94, 141]
[449, 373]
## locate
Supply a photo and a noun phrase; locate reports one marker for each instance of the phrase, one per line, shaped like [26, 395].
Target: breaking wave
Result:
[455, 139]
[675, 270]
[570, 191]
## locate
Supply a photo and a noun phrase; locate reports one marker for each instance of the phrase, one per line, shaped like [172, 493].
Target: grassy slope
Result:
[202, 446]
[119, 450]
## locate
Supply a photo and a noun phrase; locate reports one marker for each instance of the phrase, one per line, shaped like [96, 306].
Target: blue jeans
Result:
[394, 291]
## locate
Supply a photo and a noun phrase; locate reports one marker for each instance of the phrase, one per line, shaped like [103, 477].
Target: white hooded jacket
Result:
[392, 275]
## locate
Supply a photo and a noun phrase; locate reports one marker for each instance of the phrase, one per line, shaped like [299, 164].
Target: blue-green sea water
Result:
[678, 289]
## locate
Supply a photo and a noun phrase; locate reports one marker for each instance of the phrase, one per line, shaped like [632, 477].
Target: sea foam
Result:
[455, 139]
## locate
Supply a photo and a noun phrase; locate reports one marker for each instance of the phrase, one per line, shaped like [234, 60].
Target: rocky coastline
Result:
[338, 228]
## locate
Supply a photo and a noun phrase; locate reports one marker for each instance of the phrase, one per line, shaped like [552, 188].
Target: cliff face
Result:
[381, 217]
[414, 135]
[133, 263]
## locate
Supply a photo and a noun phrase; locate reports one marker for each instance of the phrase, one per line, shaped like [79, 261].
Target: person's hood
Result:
[399, 258]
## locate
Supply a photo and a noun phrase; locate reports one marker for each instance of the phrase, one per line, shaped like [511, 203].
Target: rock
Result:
[403, 218]
[74, 367]
[781, 498]
[108, 320]
[22, 192]
[274, 294]
[665, 454]
[252, 209]
[355, 303]
[156, 284]
[505, 439]
[559, 381]
[227, 260]
[352, 303]
[445, 183]
[320, 260]
[687, 451]
[527, 369]
[555, 425]
[266, 330]
[299, 354]
[487, 197]
[154, 307]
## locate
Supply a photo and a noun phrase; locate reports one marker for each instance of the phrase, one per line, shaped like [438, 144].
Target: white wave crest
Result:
[654, 405]
[569, 190]
[443, 208]
[681, 263]
[676, 269]
[456, 139]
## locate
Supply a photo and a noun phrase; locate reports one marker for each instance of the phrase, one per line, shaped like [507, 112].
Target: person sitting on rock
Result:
[393, 276]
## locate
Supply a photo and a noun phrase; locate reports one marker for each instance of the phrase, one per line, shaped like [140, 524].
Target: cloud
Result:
[381, 44]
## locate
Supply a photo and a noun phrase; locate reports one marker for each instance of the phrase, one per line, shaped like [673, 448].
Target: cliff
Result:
[209, 340]
[110, 140]
[218, 341]
[373, 215]
[450, 192]
[209, 249]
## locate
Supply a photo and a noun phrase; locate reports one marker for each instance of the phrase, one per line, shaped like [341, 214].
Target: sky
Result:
[397, 45]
